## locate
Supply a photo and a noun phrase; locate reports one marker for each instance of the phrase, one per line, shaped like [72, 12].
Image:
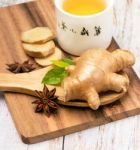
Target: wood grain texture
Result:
[19, 18]
[122, 134]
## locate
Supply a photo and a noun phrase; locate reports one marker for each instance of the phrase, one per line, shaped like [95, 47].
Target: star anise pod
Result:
[46, 101]
[16, 67]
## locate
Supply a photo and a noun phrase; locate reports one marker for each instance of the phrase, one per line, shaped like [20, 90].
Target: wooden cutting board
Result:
[38, 127]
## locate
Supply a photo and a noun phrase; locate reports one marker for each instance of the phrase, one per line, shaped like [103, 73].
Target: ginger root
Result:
[96, 71]
[37, 35]
[39, 50]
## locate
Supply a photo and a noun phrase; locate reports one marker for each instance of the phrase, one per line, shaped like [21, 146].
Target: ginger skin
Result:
[95, 71]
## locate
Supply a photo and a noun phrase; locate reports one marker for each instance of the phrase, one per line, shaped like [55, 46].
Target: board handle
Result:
[27, 83]
[21, 83]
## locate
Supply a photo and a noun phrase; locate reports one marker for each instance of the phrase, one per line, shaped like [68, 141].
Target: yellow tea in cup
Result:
[84, 7]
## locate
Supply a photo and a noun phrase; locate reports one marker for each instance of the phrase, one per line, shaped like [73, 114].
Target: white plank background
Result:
[120, 135]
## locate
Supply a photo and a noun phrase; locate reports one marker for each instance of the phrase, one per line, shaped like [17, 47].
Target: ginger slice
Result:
[39, 50]
[37, 35]
[95, 71]
[57, 55]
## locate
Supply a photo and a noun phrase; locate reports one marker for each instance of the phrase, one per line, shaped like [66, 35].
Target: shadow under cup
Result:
[75, 34]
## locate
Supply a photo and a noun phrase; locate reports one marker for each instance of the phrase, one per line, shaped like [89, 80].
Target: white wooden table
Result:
[120, 135]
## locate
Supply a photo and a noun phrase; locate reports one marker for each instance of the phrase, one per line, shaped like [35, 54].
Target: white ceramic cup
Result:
[76, 34]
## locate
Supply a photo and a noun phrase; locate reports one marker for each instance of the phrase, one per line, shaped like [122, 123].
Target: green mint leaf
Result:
[60, 63]
[68, 61]
[55, 76]
[63, 63]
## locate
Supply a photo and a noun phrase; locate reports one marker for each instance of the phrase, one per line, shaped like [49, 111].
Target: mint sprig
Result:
[57, 74]
[63, 63]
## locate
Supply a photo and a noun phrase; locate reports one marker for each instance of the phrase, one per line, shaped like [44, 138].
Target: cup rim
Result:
[57, 5]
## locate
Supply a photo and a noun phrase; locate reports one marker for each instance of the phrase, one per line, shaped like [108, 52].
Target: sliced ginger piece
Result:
[57, 55]
[37, 35]
[39, 50]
